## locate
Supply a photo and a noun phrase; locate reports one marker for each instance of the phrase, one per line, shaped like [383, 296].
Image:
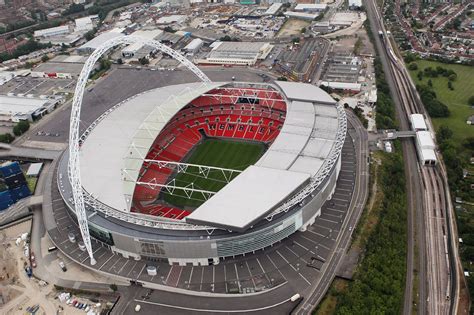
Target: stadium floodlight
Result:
[74, 137]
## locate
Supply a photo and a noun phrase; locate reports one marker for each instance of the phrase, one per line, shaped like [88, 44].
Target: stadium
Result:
[194, 173]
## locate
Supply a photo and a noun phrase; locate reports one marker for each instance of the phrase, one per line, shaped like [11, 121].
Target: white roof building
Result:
[132, 49]
[301, 15]
[92, 45]
[53, 31]
[179, 19]
[6, 76]
[85, 24]
[16, 108]
[273, 9]
[311, 7]
[238, 53]
[355, 3]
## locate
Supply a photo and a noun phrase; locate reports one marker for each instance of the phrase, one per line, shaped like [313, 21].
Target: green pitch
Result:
[219, 153]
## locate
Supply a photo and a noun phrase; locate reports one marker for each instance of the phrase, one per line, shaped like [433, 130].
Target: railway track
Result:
[439, 260]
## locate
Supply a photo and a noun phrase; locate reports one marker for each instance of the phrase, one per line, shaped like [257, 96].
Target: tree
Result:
[21, 127]
[452, 77]
[444, 133]
[44, 58]
[413, 66]
[282, 78]
[303, 30]
[120, 61]
[420, 75]
[169, 29]
[450, 85]
[144, 61]
[7, 138]
[430, 83]
[471, 100]
[113, 287]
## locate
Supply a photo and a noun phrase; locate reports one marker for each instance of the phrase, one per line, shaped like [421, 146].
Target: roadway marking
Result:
[169, 272]
[237, 276]
[140, 273]
[214, 310]
[126, 262]
[251, 276]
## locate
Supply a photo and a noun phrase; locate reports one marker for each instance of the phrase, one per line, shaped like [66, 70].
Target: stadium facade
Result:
[130, 157]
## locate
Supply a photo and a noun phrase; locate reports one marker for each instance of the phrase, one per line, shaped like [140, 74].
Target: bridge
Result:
[392, 135]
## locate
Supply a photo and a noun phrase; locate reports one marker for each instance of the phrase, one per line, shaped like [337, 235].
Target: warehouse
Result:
[194, 46]
[16, 108]
[53, 31]
[92, 45]
[139, 50]
[302, 15]
[86, 24]
[60, 67]
[238, 53]
[273, 9]
[311, 7]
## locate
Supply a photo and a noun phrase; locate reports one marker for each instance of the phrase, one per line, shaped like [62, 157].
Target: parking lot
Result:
[37, 86]
[120, 84]
[296, 261]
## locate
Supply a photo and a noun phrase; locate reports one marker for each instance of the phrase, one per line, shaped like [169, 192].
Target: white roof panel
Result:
[305, 92]
[307, 164]
[108, 149]
[263, 188]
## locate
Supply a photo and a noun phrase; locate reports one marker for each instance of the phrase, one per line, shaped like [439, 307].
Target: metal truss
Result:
[202, 169]
[74, 137]
[326, 168]
[268, 99]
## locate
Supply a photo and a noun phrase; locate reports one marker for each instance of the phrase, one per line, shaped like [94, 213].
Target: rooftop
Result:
[20, 105]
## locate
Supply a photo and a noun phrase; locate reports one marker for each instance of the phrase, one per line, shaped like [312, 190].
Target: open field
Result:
[212, 152]
[292, 27]
[456, 100]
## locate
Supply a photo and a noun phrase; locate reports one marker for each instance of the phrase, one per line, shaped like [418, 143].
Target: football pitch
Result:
[212, 152]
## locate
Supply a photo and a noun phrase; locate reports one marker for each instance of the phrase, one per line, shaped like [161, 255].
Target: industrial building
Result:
[301, 15]
[53, 31]
[238, 53]
[6, 76]
[311, 7]
[273, 9]
[299, 62]
[194, 46]
[60, 67]
[16, 108]
[92, 45]
[170, 19]
[139, 50]
[355, 3]
[85, 24]
[342, 72]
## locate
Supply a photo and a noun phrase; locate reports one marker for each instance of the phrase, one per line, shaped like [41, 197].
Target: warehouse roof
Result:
[20, 105]
[101, 38]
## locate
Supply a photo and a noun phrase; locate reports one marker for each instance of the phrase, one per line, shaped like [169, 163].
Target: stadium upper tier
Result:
[300, 123]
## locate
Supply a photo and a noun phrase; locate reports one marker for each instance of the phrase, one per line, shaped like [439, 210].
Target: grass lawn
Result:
[212, 152]
[31, 181]
[456, 100]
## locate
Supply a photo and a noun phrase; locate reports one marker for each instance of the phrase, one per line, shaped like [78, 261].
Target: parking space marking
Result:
[132, 268]
[225, 279]
[190, 276]
[321, 218]
[238, 280]
[140, 273]
[111, 256]
[251, 276]
[202, 277]
[294, 253]
[126, 262]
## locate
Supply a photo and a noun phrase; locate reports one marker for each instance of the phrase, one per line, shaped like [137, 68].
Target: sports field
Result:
[212, 152]
[456, 99]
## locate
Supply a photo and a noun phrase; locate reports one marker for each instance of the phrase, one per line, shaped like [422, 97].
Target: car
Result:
[62, 265]
[74, 303]
[350, 228]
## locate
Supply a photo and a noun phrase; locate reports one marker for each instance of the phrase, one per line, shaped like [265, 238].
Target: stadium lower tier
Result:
[197, 247]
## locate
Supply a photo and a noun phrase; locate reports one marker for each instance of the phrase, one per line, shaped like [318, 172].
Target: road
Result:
[319, 288]
[430, 207]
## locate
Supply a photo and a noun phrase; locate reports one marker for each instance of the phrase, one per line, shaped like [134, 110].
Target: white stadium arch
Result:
[74, 164]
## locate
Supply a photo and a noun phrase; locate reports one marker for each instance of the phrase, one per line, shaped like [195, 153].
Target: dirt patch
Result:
[292, 27]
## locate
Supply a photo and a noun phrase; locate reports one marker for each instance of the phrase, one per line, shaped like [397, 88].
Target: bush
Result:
[471, 100]
[7, 138]
[413, 66]
[21, 127]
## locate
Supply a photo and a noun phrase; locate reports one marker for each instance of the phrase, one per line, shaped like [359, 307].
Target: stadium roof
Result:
[113, 153]
[305, 92]
[122, 140]
[263, 188]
